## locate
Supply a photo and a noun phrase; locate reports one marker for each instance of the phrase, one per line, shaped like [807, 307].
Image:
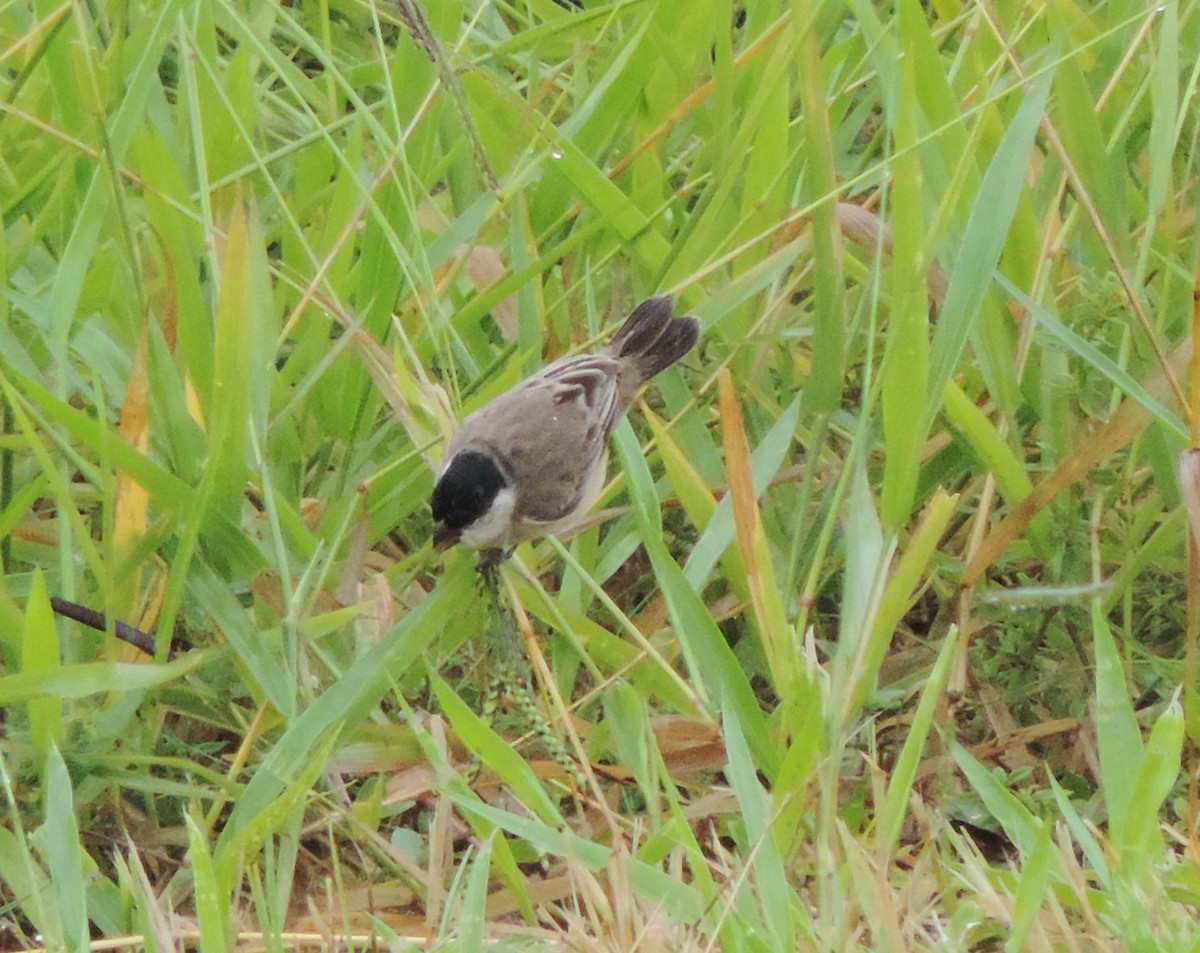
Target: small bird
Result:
[532, 461]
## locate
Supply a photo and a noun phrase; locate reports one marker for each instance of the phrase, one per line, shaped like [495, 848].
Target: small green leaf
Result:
[983, 240]
[40, 661]
[64, 854]
[212, 904]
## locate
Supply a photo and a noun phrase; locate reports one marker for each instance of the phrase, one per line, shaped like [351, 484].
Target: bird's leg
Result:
[490, 560]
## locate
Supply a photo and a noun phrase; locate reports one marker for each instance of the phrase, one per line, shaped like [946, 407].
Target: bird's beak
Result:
[444, 537]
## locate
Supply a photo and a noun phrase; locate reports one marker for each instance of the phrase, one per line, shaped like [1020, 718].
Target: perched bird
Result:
[532, 461]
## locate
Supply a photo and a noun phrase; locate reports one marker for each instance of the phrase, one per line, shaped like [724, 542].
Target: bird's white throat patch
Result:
[491, 531]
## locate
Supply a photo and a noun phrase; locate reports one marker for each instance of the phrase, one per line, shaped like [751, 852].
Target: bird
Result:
[532, 461]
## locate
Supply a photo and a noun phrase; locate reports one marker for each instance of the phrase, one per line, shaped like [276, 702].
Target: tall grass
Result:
[885, 637]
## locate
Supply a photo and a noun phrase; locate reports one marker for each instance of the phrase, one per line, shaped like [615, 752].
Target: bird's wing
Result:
[590, 380]
[548, 433]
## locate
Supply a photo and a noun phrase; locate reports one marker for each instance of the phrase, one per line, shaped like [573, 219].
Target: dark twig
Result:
[96, 620]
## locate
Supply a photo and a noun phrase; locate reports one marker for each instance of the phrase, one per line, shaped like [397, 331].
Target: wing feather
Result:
[549, 434]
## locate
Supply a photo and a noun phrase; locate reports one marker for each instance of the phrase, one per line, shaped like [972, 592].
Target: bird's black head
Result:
[463, 494]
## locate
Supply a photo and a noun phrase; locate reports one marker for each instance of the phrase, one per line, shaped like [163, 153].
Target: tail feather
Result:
[677, 338]
[652, 339]
[642, 328]
[649, 341]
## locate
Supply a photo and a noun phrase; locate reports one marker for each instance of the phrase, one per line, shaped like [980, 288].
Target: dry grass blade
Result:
[760, 577]
[1121, 429]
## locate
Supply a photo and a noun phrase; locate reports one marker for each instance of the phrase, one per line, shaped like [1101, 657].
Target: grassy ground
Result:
[880, 642]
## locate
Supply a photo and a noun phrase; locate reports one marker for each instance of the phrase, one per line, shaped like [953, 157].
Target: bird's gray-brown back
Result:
[555, 427]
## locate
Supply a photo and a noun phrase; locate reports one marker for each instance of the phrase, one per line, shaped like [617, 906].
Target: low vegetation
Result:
[883, 636]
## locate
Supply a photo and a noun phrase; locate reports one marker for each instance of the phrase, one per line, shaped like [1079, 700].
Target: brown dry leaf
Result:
[675, 732]
[267, 589]
[153, 594]
[677, 735]
[653, 616]
[1024, 736]
[375, 749]
[431, 218]
[384, 611]
[1010, 747]
[542, 891]
[411, 784]
[195, 408]
[485, 267]
[689, 745]
[168, 298]
[1003, 724]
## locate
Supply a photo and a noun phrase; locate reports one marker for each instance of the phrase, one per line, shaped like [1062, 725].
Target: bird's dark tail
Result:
[653, 339]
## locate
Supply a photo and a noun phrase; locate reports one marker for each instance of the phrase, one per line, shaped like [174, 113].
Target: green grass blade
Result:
[824, 390]
[1036, 876]
[40, 663]
[1160, 771]
[497, 753]
[64, 855]
[94, 678]
[472, 913]
[212, 903]
[773, 897]
[895, 806]
[1018, 822]
[983, 240]
[707, 652]
[349, 699]
[1117, 734]
[901, 589]
[906, 357]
